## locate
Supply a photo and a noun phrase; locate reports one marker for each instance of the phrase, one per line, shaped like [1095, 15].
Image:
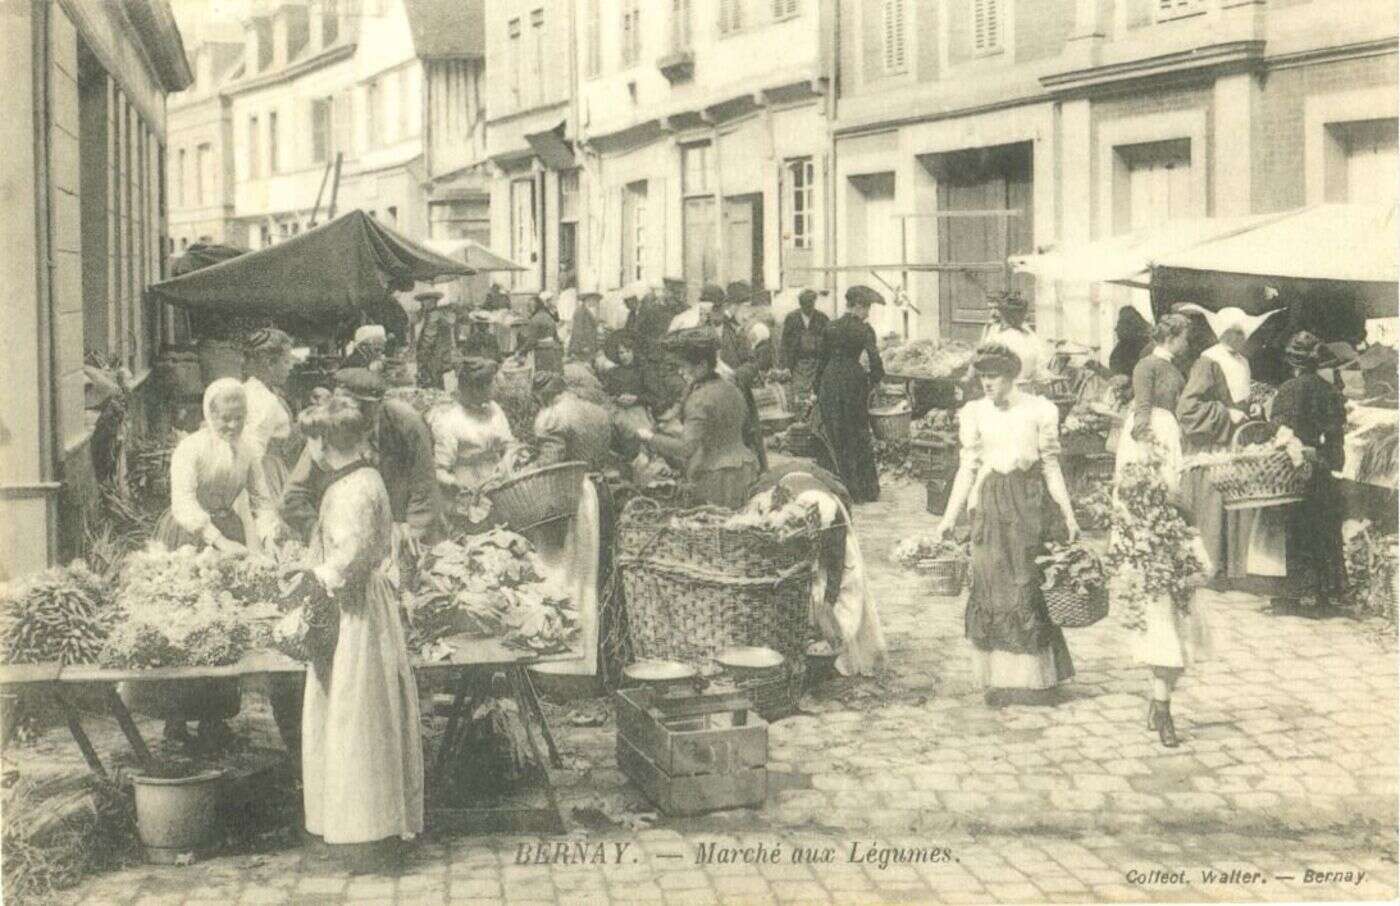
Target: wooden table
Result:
[471, 657]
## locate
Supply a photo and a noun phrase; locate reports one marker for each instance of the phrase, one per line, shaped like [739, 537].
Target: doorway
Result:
[700, 265]
[743, 238]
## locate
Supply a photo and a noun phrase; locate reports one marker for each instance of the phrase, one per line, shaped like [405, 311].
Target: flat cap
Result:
[860, 294]
[693, 340]
[809, 295]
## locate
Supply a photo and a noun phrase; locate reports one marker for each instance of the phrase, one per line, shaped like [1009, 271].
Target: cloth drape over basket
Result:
[694, 590]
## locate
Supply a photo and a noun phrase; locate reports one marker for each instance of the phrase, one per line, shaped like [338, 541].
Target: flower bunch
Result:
[1071, 566]
[1094, 509]
[1152, 551]
[911, 552]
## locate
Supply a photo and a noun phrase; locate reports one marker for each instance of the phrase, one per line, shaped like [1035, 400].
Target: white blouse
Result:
[1006, 440]
[268, 419]
[467, 447]
[207, 474]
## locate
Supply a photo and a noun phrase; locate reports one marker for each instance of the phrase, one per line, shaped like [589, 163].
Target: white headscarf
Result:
[1231, 318]
[227, 450]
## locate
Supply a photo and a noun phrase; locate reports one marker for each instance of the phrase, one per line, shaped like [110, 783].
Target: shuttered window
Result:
[1174, 9]
[987, 26]
[784, 9]
[731, 16]
[631, 32]
[896, 56]
[680, 25]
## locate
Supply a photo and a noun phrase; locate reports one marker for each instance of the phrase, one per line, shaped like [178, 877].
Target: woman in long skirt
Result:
[1169, 639]
[1010, 461]
[362, 754]
[841, 415]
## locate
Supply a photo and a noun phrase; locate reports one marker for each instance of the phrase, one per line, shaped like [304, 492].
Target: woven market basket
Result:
[945, 574]
[1257, 480]
[892, 422]
[538, 496]
[1071, 609]
[650, 531]
[763, 675]
[688, 614]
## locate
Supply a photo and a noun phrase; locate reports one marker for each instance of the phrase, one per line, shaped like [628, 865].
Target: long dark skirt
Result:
[1315, 558]
[1015, 644]
[1224, 534]
[845, 445]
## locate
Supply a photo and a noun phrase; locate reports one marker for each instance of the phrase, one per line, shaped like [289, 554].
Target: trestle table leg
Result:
[75, 726]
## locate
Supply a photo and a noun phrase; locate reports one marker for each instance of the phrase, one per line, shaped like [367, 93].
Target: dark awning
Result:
[552, 148]
[319, 277]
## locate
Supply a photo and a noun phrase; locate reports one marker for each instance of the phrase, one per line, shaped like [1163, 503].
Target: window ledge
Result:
[1183, 14]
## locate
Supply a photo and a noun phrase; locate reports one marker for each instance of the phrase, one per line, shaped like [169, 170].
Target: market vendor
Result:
[841, 417]
[734, 349]
[437, 347]
[583, 332]
[368, 348]
[471, 434]
[1315, 413]
[802, 337]
[542, 325]
[1010, 462]
[271, 430]
[1009, 328]
[1132, 340]
[1214, 403]
[719, 467]
[648, 319]
[209, 470]
[362, 748]
[841, 605]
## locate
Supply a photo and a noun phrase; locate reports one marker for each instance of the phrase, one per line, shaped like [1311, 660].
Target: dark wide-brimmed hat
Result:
[861, 294]
[1303, 349]
[692, 341]
[1012, 304]
[809, 295]
[360, 383]
[713, 293]
[996, 360]
[738, 293]
[476, 370]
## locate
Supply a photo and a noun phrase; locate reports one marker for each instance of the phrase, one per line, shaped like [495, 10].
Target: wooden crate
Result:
[694, 754]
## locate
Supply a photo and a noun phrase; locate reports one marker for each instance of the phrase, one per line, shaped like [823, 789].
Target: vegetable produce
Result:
[1380, 455]
[911, 552]
[1370, 570]
[1152, 551]
[928, 358]
[892, 459]
[776, 511]
[489, 585]
[1071, 566]
[1083, 419]
[1094, 510]
[937, 425]
[1284, 440]
[62, 615]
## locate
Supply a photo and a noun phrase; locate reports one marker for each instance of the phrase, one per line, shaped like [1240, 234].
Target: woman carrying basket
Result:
[1168, 637]
[1010, 460]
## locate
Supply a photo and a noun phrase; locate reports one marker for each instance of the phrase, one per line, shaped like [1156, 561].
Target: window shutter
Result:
[894, 36]
[729, 19]
[986, 25]
[784, 8]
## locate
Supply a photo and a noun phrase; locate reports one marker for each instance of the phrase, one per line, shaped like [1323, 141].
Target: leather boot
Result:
[1166, 729]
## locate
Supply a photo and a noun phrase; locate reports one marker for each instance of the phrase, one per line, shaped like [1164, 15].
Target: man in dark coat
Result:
[802, 344]
[648, 319]
[841, 417]
[1316, 414]
[436, 345]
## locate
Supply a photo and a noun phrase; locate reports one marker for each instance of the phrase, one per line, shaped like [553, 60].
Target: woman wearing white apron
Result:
[1169, 640]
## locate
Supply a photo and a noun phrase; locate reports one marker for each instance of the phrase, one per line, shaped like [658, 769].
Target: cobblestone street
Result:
[1287, 768]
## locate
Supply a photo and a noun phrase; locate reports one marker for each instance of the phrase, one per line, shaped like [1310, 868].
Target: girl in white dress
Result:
[271, 430]
[362, 755]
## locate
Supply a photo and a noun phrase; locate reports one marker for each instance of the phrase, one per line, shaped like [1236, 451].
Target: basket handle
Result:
[1250, 433]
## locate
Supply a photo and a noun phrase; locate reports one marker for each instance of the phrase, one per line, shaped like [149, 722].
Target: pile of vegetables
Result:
[1084, 419]
[776, 511]
[913, 553]
[892, 459]
[1284, 440]
[484, 586]
[1380, 455]
[1093, 510]
[1152, 552]
[1370, 570]
[62, 615]
[928, 358]
[188, 608]
[1071, 566]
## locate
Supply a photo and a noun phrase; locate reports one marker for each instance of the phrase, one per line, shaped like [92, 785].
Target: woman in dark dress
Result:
[1316, 413]
[841, 417]
[1133, 337]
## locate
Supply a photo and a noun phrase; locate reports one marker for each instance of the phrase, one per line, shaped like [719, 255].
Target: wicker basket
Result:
[892, 423]
[931, 459]
[946, 575]
[649, 531]
[538, 496]
[1071, 609]
[683, 613]
[1257, 480]
[763, 675]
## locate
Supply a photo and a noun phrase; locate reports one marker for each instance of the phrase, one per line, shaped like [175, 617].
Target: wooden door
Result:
[739, 232]
[698, 228]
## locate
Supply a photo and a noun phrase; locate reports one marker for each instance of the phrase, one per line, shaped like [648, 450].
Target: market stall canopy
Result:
[201, 255]
[317, 277]
[476, 256]
[1128, 258]
[1341, 250]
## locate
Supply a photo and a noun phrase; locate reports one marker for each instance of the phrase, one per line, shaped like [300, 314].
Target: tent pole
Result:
[319, 194]
[335, 187]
